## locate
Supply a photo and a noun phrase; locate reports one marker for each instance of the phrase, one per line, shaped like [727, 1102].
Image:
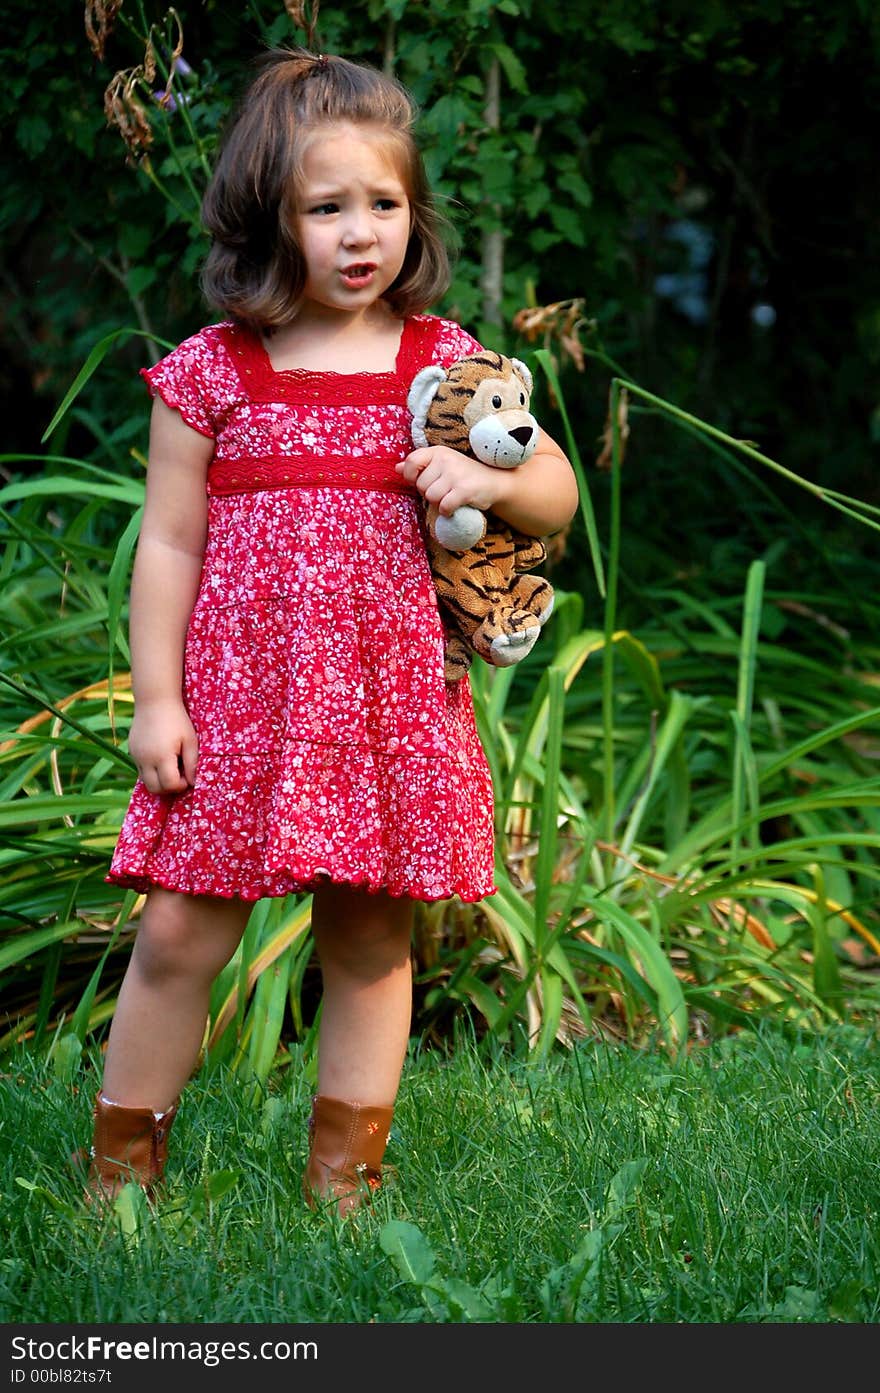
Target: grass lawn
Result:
[742, 1185]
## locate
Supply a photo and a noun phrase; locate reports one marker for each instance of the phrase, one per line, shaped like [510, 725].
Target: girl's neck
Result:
[322, 341]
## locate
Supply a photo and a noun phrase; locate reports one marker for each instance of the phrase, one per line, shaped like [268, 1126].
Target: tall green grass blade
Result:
[548, 828]
[608, 704]
[718, 823]
[654, 964]
[270, 997]
[587, 510]
[551, 1014]
[25, 945]
[82, 1016]
[117, 588]
[56, 486]
[826, 972]
[90, 366]
[668, 739]
[856, 509]
[742, 754]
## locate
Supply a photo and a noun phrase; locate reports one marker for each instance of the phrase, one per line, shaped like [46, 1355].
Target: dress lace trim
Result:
[244, 475]
[300, 386]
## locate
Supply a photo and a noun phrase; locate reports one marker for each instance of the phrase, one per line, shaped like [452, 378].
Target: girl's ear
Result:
[422, 392]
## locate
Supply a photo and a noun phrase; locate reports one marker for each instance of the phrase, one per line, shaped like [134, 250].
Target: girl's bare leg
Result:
[363, 945]
[182, 943]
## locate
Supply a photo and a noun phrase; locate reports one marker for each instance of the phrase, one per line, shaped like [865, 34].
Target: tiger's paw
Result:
[507, 649]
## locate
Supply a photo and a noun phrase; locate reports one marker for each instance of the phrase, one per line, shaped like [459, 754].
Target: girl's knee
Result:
[361, 933]
[187, 935]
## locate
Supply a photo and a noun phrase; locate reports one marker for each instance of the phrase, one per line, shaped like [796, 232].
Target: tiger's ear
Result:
[520, 368]
[422, 392]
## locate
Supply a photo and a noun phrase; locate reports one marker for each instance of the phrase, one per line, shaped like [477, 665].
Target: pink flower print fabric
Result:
[330, 747]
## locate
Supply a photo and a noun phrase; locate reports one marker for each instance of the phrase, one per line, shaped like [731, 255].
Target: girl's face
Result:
[352, 218]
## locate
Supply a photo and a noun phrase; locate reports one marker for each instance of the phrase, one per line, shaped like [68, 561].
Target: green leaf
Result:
[139, 279]
[219, 1183]
[513, 68]
[117, 586]
[28, 944]
[66, 1056]
[545, 359]
[551, 1013]
[409, 1250]
[272, 1114]
[34, 134]
[46, 1194]
[826, 969]
[541, 240]
[55, 486]
[624, 1186]
[131, 1211]
[579, 189]
[134, 239]
[548, 825]
[672, 1009]
[846, 1303]
[464, 1299]
[91, 365]
[799, 1303]
[447, 116]
[267, 1011]
[569, 223]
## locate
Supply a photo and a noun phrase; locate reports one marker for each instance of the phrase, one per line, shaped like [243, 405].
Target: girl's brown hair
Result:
[254, 271]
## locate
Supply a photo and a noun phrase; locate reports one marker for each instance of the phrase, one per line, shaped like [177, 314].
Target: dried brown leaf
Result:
[100, 17]
[606, 455]
[123, 110]
[298, 13]
[178, 47]
[559, 323]
[149, 64]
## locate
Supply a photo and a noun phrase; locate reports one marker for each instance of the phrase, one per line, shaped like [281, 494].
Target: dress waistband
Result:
[287, 471]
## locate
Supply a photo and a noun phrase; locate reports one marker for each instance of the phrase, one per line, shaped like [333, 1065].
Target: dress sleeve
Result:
[453, 342]
[183, 380]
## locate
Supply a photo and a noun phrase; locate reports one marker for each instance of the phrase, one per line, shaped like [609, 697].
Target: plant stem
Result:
[610, 617]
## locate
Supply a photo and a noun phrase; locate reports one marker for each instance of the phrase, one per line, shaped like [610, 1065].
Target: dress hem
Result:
[144, 883]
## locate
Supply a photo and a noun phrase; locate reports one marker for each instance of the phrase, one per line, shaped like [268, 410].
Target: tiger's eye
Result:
[522, 398]
[496, 401]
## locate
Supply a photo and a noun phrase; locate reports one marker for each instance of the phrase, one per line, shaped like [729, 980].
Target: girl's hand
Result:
[164, 745]
[451, 480]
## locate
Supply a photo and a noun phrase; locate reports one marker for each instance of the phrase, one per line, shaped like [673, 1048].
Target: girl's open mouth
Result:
[359, 274]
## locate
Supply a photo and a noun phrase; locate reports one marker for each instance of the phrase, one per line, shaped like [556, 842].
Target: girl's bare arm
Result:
[538, 497]
[165, 581]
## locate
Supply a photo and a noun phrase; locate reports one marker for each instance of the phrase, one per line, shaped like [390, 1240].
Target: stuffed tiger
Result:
[480, 407]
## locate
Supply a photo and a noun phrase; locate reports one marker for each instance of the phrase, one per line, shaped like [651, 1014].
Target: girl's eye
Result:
[325, 208]
[385, 204]
[496, 401]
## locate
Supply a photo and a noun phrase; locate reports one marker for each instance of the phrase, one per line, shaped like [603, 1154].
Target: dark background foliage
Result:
[703, 177]
[698, 186]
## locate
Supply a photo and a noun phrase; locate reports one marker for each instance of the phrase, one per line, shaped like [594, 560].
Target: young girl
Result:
[292, 729]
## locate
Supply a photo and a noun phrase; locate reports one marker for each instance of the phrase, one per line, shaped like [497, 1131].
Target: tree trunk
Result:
[492, 273]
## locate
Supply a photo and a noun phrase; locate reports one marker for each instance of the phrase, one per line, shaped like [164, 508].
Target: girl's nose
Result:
[359, 230]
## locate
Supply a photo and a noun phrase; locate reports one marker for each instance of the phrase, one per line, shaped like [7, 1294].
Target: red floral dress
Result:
[330, 747]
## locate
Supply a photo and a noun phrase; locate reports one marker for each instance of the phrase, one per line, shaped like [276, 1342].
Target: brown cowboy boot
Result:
[347, 1143]
[130, 1144]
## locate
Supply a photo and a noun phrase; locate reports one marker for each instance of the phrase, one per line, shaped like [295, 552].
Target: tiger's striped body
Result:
[489, 604]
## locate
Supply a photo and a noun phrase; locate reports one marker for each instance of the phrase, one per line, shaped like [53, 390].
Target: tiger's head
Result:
[479, 406]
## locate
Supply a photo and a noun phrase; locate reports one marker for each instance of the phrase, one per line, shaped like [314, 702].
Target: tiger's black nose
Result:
[522, 435]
